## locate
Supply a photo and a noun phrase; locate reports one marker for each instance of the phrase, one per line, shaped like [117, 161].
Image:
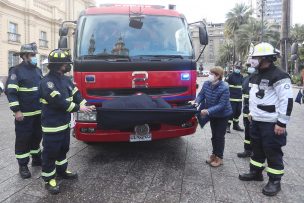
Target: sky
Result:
[212, 10]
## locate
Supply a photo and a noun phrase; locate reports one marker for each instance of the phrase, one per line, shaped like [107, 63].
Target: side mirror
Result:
[63, 42]
[63, 31]
[137, 24]
[203, 35]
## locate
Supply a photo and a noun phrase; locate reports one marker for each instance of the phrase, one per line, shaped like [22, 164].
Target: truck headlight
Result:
[81, 116]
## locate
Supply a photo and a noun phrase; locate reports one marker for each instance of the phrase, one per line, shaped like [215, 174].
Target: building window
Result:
[13, 35]
[43, 40]
[13, 59]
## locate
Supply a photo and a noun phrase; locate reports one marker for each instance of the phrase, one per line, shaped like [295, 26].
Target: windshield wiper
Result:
[159, 57]
[108, 57]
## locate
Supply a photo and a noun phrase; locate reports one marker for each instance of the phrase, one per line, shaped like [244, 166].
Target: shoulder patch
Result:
[13, 76]
[287, 86]
[50, 85]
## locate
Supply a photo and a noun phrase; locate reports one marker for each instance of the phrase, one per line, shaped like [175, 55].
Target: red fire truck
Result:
[122, 50]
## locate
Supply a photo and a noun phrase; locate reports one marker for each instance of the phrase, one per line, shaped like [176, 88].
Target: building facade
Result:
[272, 10]
[26, 21]
[216, 38]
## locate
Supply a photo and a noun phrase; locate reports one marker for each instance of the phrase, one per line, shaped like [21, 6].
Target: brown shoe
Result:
[216, 162]
[211, 158]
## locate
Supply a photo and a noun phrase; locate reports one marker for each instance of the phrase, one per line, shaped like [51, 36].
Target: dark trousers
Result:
[28, 138]
[237, 111]
[55, 148]
[247, 141]
[267, 145]
[218, 129]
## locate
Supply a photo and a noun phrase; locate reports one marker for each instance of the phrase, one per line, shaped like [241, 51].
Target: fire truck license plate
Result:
[140, 138]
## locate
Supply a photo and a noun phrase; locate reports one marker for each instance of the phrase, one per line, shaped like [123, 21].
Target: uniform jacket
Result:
[235, 81]
[271, 96]
[22, 89]
[245, 91]
[59, 97]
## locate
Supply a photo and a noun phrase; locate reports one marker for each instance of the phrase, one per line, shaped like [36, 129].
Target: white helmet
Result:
[263, 49]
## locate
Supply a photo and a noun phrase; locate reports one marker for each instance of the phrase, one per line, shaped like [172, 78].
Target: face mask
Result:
[251, 70]
[211, 78]
[254, 63]
[68, 68]
[33, 61]
[237, 70]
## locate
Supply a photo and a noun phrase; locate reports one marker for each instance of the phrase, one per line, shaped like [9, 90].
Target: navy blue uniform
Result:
[22, 94]
[59, 97]
[245, 90]
[235, 81]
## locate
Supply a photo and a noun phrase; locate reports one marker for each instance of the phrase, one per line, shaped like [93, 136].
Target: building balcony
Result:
[13, 37]
[43, 43]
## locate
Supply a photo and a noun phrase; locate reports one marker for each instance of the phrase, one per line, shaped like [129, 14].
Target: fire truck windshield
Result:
[111, 35]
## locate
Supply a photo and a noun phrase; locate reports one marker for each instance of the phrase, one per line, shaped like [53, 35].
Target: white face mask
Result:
[211, 78]
[254, 63]
[251, 70]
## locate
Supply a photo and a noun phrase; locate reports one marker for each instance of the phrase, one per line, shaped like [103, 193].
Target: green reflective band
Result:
[12, 86]
[54, 129]
[260, 165]
[245, 115]
[236, 86]
[48, 174]
[246, 141]
[71, 107]
[235, 120]
[22, 156]
[54, 93]
[69, 99]
[13, 104]
[60, 163]
[245, 95]
[74, 90]
[83, 102]
[230, 121]
[34, 113]
[43, 101]
[235, 100]
[24, 89]
[274, 171]
[35, 151]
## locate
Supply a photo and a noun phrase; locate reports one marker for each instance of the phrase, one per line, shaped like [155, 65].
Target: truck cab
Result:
[122, 50]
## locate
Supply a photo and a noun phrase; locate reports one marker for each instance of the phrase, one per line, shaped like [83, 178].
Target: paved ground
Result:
[161, 171]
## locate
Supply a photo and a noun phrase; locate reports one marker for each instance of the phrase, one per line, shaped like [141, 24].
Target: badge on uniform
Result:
[50, 85]
[13, 77]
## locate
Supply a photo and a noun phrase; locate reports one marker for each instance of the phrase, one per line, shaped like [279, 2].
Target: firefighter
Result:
[59, 97]
[23, 97]
[270, 104]
[235, 80]
[245, 89]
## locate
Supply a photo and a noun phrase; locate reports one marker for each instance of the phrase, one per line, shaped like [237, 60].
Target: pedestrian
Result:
[23, 97]
[270, 104]
[214, 103]
[59, 97]
[245, 89]
[235, 80]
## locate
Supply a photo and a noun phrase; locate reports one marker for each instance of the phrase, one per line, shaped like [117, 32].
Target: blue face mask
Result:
[33, 60]
[237, 70]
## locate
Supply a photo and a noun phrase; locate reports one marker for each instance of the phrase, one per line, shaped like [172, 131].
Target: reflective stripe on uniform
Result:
[257, 164]
[12, 86]
[60, 163]
[245, 115]
[22, 156]
[54, 129]
[48, 174]
[274, 171]
[54, 93]
[34, 113]
[235, 100]
[71, 107]
[236, 86]
[13, 104]
[83, 102]
[69, 99]
[74, 90]
[235, 120]
[246, 96]
[24, 89]
[230, 121]
[247, 141]
[35, 151]
[43, 101]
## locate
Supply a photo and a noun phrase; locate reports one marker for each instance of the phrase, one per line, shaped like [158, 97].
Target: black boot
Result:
[237, 128]
[252, 175]
[24, 172]
[52, 187]
[244, 154]
[37, 161]
[272, 188]
[68, 175]
[228, 129]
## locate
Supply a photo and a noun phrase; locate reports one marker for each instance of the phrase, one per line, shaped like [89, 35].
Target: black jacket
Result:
[235, 81]
[245, 90]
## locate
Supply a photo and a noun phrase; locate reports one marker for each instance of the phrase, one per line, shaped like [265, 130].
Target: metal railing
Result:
[13, 37]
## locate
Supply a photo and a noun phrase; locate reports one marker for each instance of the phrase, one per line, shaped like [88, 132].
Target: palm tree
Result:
[297, 33]
[225, 54]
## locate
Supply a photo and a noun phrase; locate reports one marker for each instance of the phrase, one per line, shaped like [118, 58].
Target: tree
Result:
[297, 33]
[225, 54]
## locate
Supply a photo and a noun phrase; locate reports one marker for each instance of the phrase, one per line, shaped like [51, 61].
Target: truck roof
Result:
[126, 8]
